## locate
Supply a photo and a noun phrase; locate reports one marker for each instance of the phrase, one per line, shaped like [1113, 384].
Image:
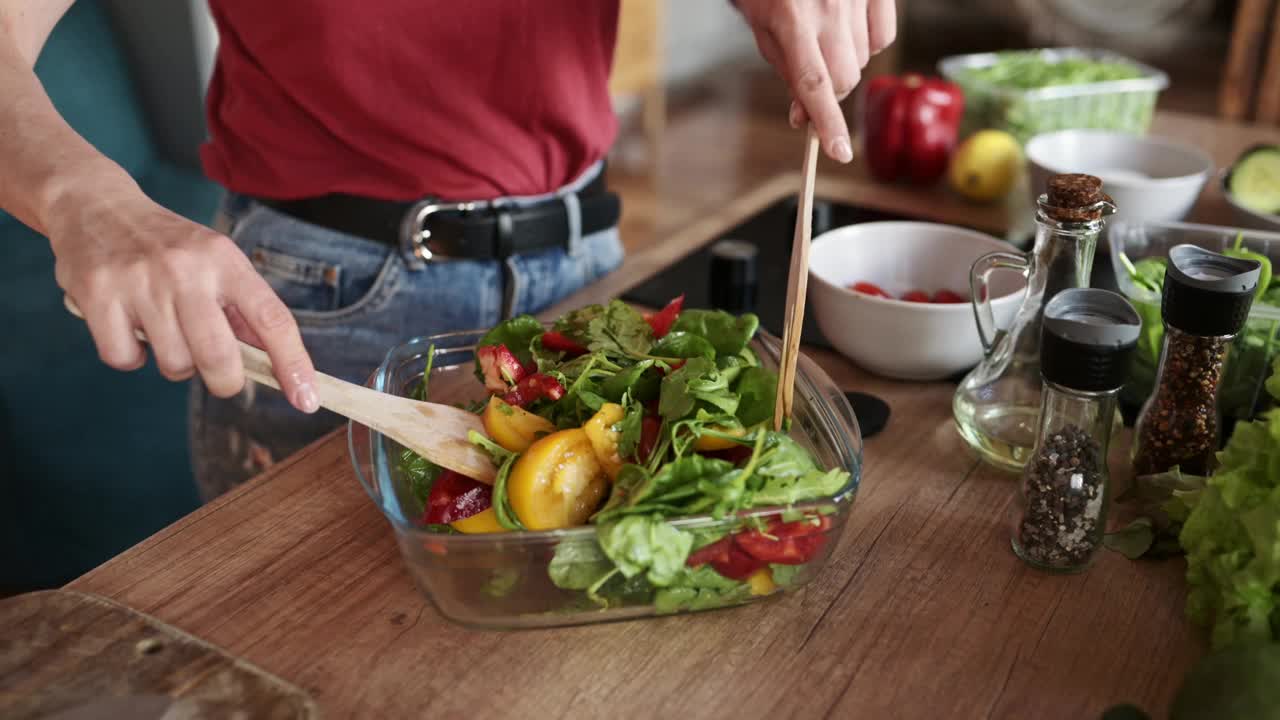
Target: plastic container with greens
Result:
[1139, 252]
[639, 471]
[1029, 92]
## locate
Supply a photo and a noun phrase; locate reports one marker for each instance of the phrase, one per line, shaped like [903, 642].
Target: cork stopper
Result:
[1074, 197]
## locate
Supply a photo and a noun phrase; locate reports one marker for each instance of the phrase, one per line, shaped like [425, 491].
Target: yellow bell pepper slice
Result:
[485, 521]
[709, 443]
[604, 438]
[557, 482]
[513, 428]
[761, 582]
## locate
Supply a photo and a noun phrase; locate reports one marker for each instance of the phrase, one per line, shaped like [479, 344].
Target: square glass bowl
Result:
[501, 581]
[1256, 347]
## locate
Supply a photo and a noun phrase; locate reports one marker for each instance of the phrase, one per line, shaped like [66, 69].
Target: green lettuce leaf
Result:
[578, 565]
[726, 333]
[645, 544]
[699, 588]
[697, 382]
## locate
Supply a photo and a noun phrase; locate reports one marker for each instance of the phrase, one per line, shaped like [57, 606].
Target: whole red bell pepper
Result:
[910, 126]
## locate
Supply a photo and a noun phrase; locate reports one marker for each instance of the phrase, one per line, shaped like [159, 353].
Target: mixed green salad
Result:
[1031, 70]
[625, 422]
[1252, 355]
[1002, 94]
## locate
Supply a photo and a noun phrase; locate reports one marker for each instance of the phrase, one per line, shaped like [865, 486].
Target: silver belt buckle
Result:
[415, 236]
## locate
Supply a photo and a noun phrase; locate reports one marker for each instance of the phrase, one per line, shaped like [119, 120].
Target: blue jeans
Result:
[354, 299]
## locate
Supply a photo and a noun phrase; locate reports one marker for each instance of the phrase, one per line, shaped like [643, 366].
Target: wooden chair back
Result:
[1251, 82]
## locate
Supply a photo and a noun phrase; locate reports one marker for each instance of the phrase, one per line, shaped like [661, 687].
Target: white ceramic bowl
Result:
[1149, 178]
[895, 338]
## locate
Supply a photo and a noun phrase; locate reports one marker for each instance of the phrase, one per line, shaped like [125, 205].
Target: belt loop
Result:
[506, 229]
[573, 209]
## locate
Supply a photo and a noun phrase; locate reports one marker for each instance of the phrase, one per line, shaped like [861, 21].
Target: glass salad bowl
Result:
[546, 578]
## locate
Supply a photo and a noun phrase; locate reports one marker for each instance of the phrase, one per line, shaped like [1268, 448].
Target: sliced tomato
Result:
[916, 296]
[947, 296]
[661, 321]
[726, 558]
[559, 342]
[538, 386]
[793, 543]
[500, 367]
[870, 289]
[455, 496]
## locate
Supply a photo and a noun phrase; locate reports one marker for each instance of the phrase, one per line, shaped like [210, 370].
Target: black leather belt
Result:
[472, 230]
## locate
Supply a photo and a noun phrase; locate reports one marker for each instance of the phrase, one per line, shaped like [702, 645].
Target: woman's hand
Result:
[131, 264]
[820, 48]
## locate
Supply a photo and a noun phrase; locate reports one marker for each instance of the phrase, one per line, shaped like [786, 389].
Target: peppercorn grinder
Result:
[1087, 340]
[997, 403]
[1205, 303]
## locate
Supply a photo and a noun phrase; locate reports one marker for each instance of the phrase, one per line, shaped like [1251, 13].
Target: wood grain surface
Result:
[923, 612]
[67, 652]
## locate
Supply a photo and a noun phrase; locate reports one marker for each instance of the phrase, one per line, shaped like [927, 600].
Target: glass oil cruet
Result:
[997, 404]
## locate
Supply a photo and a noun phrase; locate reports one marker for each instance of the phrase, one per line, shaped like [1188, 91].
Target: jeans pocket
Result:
[323, 276]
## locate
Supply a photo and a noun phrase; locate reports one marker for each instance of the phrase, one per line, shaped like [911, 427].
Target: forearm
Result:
[43, 161]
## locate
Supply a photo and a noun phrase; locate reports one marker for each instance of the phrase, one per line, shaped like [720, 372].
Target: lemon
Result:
[986, 165]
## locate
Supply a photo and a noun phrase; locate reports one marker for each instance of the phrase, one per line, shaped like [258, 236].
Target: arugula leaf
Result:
[633, 379]
[501, 503]
[501, 582]
[699, 588]
[668, 491]
[617, 329]
[517, 333]
[786, 575]
[645, 544]
[577, 565]
[726, 333]
[757, 390]
[631, 428]
[498, 453]
[421, 474]
[683, 345]
[698, 381]
[420, 392]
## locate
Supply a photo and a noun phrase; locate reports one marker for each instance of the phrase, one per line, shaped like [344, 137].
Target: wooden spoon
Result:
[434, 431]
[797, 285]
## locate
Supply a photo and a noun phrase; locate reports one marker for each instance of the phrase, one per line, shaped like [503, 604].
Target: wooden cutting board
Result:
[75, 656]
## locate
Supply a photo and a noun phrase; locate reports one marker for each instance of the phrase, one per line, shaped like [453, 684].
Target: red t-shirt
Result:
[401, 99]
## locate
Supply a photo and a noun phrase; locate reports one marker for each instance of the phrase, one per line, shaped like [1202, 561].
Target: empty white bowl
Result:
[895, 338]
[1149, 178]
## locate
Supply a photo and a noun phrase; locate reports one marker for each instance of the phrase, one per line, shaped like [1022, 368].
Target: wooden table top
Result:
[922, 612]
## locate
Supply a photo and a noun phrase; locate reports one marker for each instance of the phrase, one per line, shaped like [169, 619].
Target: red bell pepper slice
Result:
[911, 126]
[538, 386]
[793, 543]
[559, 342]
[650, 426]
[661, 321]
[916, 296]
[455, 496]
[500, 367]
[867, 288]
[726, 558]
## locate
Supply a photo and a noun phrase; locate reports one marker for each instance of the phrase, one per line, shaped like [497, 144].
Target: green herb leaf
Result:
[787, 575]
[1132, 540]
[501, 503]
[631, 380]
[616, 329]
[683, 345]
[699, 588]
[501, 582]
[726, 333]
[498, 453]
[420, 392]
[643, 544]
[578, 564]
[698, 381]
[757, 390]
[421, 474]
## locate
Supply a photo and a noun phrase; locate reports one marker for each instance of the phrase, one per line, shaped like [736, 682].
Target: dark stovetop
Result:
[771, 232]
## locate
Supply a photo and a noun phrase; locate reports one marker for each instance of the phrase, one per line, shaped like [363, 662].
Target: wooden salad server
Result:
[797, 285]
[437, 432]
